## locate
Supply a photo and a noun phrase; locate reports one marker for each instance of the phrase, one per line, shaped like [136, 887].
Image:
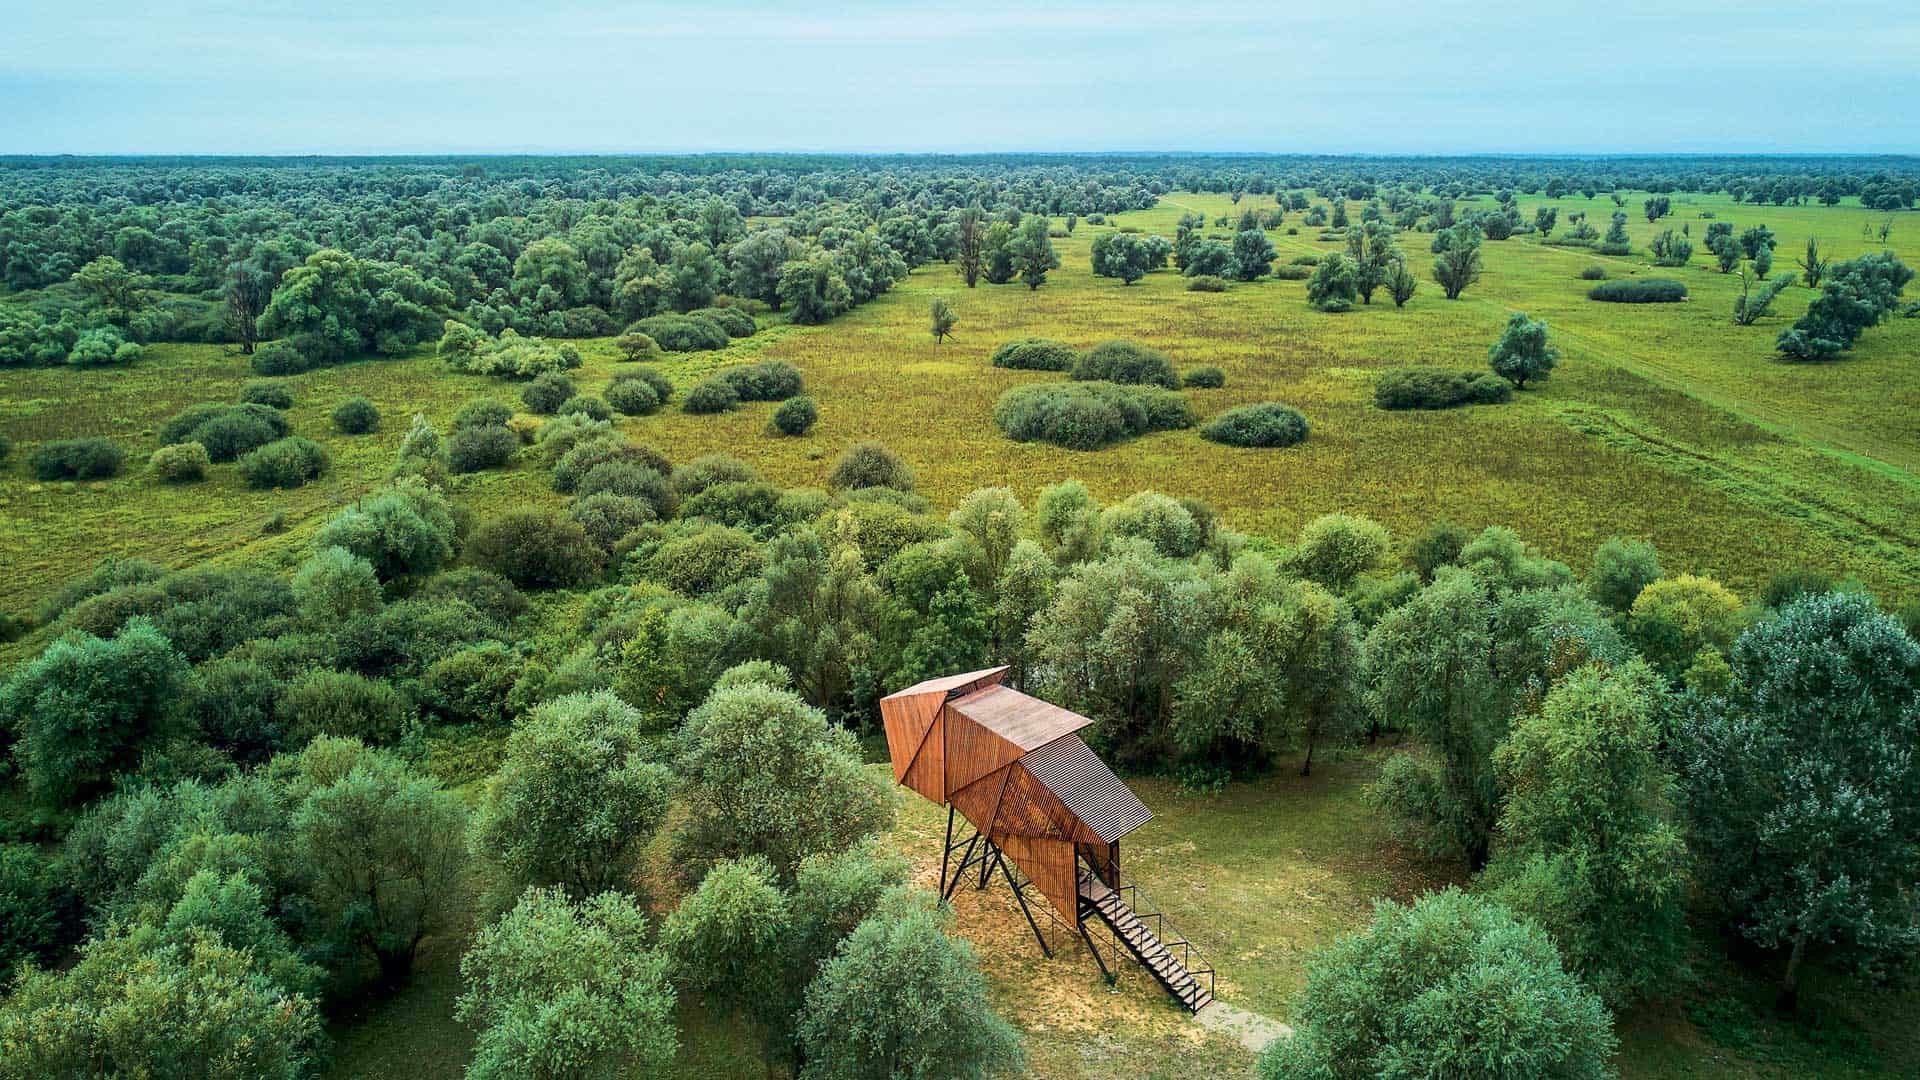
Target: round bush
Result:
[711, 470]
[587, 405]
[344, 704]
[1266, 425]
[280, 358]
[1205, 377]
[76, 459]
[180, 462]
[1035, 354]
[1425, 387]
[1088, 416]
[711, 395]
[735, 322]
[1594, 273]
[636, 347]
[482, 412]
[356, 416]
[1126, 362]
[547, 393]
[683, 333]
[284, 463]
[662, 388]
[795, 416]
[633, 397]
[537, 548]
[1643, 291]
[870, 465]
[271, 394]
[607, 517]
[1206, 283]
[481, 446]
[1289, 272]
[574, 465]
[631, 479]
[774, 380]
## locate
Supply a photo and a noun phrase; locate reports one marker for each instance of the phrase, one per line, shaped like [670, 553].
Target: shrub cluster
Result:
[682, 333]
[1128, 362]
[795, 416]
[1035, 354]
[734, 321]
[76, 459]
[710, 395]
[1267, 424]
[227, 431]
[587, 405]
[180, 462]
[356, 416]
[1426, 387]
[1088, 415]
[1596, 272]
[285, 463]
[271, 394]
[1205, 377]
[474, 447]
[774, 380]
[633, 397]
[544, 395]
[1642, 291]
[1210, 283]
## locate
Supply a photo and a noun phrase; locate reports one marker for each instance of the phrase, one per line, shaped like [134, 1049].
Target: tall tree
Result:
[1523, 351]
[970, 244]
[1458, 263]
[1032, 251]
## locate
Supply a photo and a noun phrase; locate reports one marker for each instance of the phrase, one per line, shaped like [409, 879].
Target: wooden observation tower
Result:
[1033, 795]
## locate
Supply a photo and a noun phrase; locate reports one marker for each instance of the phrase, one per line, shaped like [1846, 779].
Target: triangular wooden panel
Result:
[928, 772]
[978, 800]
[972, 750]
[907, 719]
[1049, 865]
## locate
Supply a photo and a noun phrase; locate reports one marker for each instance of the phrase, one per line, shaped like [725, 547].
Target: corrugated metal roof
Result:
[1023, 720]
[1083, 783]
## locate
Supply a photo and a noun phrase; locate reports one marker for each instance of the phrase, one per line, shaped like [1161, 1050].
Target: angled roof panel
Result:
[948, 683]
[1084, 784]
[1026, 722]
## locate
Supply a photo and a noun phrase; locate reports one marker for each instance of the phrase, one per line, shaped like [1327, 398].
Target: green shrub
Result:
[683, 333]
[1206, 283]
[1126, 362]
[774, 380]
[636, 347]
[1290, 272]
[76, 459]
[1641, 291]
[490, 594]
[356, 416]
[1267, 424]
[482, 412]
[1427, 387]
[180, 462]
[1035, 354]
[710, 395]
[1304, 260]
[606, 517]
[544, 395]
[1595, 272]
[633, 397]
[662, 388]
[1088, 415]
[1205, 377]
[344, 704]
[227, 431]
[280, 358]
[589, 453]
[537, 548]
[587, 405]
[795, 416]
[271, 394]
[870, 465]
[710, 470]
[285, 463]
[481, 446]
[630, 478]
[735, 322]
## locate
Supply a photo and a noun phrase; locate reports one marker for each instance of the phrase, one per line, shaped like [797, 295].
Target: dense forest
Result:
[617, 742]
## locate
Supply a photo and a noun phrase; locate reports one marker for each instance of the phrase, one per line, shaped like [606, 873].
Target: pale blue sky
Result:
[353, 76]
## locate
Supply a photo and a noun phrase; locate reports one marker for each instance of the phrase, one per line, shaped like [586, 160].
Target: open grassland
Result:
[1663, 421]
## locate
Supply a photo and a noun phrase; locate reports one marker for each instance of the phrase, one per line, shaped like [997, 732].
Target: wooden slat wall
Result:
[1049, 865]
[972, 750]
[979, 801]
[928, 773]
[907, 721]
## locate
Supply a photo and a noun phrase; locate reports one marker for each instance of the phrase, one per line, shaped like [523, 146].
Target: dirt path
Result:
[1254, 1031]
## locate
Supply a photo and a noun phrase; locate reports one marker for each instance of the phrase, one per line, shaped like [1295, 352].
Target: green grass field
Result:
[1664, 421]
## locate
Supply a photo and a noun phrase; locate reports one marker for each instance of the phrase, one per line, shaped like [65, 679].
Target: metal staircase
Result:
[1172, 961]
